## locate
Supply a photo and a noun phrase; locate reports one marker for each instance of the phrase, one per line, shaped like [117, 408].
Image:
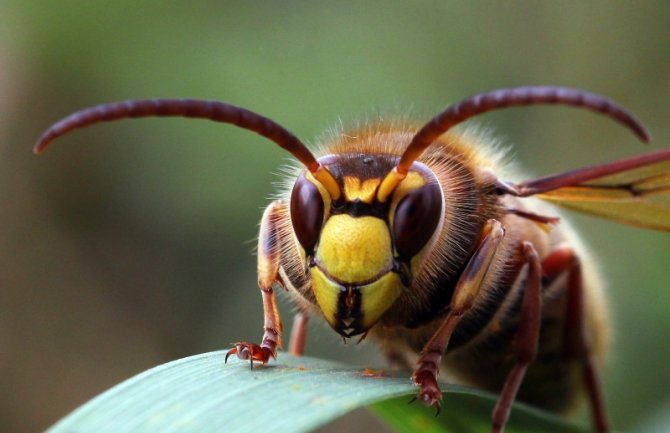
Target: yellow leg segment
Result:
[268, 273]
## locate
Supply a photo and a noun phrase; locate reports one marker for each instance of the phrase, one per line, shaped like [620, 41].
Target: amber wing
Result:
[634, 190]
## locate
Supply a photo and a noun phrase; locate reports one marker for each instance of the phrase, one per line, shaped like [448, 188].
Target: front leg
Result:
[268, 273]
[465, 293]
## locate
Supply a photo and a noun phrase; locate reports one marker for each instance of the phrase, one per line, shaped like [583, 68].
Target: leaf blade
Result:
[468, 411]
[202, 394]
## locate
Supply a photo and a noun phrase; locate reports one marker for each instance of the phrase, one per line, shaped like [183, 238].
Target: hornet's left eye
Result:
[306, 212]
[416, 218]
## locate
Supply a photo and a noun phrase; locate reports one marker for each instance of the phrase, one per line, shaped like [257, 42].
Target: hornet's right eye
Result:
[306, 212]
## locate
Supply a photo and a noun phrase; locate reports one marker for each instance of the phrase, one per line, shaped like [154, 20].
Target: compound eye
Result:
[416, 218]
[306, 212]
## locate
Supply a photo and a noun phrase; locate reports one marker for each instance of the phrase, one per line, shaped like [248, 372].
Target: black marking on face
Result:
[349, 315]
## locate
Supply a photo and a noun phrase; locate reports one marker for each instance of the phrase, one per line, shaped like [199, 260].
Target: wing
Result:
[634, 190]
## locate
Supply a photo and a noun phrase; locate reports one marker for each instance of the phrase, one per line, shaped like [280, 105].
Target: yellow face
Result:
[352, 276]
[360, 253]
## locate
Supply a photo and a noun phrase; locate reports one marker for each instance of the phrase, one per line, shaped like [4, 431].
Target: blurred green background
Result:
[130, 244]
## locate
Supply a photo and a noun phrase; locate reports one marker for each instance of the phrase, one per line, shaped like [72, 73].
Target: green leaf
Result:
[467, 411]
[202, 394]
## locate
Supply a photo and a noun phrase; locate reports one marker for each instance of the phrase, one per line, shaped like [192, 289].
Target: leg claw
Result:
[429, 391]
[252, 352]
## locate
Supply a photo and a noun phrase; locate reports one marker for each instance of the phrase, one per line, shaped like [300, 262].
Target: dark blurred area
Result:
[130, 244]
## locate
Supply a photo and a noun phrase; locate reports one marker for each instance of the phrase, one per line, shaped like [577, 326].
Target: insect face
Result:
[361, 252]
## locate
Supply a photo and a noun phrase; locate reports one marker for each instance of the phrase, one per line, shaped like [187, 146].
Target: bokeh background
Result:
[130, 244]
